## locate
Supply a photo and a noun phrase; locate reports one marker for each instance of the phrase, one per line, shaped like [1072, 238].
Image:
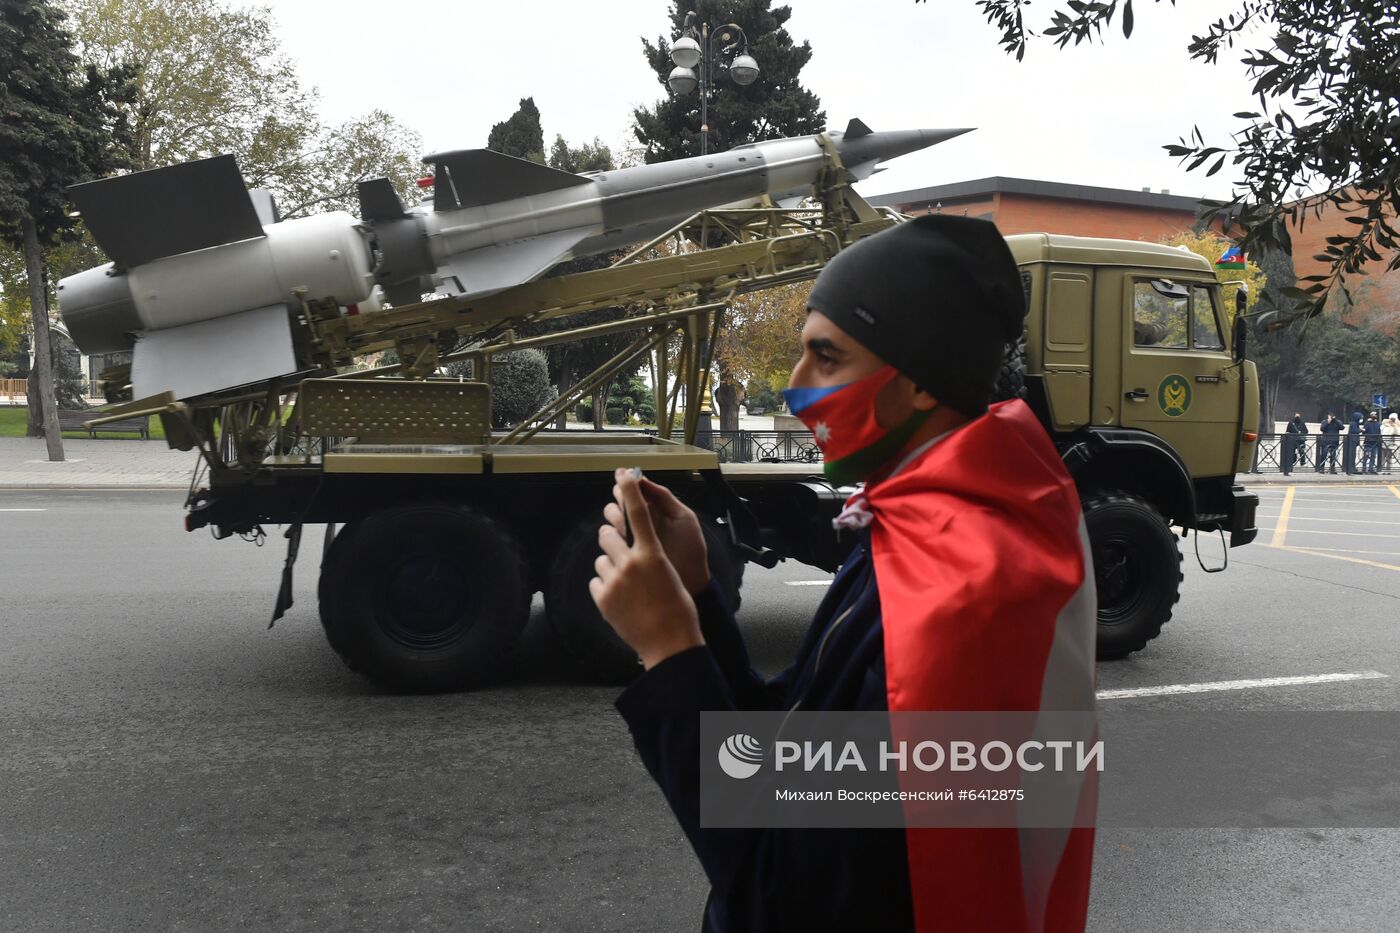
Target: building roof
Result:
[1045, 189]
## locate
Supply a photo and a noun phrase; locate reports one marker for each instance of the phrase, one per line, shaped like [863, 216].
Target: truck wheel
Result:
[1011, 381]
[1137, 570]
[584, 634]
[425, 597]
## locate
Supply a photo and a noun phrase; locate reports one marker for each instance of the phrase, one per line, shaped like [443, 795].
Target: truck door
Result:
[1178, 380]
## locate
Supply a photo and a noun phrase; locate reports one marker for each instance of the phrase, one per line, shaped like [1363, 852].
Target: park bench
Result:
[73, 421]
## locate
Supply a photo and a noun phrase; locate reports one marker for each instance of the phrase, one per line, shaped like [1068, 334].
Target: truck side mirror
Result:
[1241, 325]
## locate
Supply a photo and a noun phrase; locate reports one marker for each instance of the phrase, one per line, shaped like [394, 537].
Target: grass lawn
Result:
[14, 420]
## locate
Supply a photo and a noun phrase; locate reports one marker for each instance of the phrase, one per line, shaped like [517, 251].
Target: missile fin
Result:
[495, 268]
[863, 170]
[473, 177]
[163, 212]
[857, 128]
[208, 356]
[266, 206]
[379, 200]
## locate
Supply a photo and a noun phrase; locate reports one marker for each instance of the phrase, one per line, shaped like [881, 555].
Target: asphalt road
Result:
[170, 764]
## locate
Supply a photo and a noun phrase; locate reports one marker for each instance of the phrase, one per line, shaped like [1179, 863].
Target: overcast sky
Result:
[1089, 115]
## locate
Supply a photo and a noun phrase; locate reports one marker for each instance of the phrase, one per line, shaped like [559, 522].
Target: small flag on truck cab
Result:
[1232, 258]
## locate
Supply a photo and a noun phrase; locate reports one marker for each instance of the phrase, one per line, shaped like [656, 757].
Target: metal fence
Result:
[1309, 451]
[1326, 454]
[760, 446]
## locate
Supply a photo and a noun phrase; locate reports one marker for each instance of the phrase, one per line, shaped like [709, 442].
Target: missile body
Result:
[202, 266]
[493, 224]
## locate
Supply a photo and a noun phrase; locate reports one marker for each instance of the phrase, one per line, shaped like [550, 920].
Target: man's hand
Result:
[638, 590]
[677, 528]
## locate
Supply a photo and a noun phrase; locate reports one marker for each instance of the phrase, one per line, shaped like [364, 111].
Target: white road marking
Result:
[1345, 534]
[1268, 511]
[1295, 517]
[23, 510]
[808, 582]
[1211, 687]
[1343, 550]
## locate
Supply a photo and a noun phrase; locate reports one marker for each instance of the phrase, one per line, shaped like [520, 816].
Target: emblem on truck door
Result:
[1174, 395]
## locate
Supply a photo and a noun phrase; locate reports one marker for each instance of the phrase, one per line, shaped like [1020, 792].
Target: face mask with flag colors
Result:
[842, 418]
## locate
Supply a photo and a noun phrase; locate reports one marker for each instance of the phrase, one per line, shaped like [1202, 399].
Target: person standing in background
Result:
[1390, 437]
[1327, 448]
[1293, 443]
[1353, 442]
[1370, 455]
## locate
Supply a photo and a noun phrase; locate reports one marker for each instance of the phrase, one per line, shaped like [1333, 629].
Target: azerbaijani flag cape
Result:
[988, 603]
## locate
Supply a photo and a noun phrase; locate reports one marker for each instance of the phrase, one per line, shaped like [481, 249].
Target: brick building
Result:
[1375, 291]
[1022, 205]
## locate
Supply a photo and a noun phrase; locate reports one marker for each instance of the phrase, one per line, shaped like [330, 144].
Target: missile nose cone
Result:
[891, 144]
[933, 137]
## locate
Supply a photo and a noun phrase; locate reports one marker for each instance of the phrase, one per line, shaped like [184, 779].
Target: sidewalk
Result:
[1308, 477]
[92, 463]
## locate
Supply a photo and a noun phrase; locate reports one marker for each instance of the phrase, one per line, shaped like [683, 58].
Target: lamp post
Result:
[699, 46]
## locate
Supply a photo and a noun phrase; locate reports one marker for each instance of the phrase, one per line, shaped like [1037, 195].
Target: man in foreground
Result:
[969, 589]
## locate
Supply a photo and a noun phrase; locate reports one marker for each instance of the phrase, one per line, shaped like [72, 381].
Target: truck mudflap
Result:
[1243, 506]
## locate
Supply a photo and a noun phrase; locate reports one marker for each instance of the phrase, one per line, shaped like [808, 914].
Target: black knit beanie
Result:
[938, 298]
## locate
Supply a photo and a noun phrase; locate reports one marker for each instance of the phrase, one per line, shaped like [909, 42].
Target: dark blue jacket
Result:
[777, 879]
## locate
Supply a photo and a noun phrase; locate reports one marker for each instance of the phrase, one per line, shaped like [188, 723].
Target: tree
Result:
[63, 124]
[521, 135]
[1329, 93]
[211, 78]
[1343, 364]
[1276, 352]
[774, 106]
[760, 340]
[588, 157]
[761, 397]
[519, 386]
[1210, 246]
[324, 175]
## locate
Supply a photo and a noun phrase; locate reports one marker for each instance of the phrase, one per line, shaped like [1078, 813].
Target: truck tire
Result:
[1137, 570]
[582, 631]
[424, 598]
[1011, 380]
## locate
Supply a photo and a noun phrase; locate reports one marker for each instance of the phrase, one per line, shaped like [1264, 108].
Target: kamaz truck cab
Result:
[1138, 372]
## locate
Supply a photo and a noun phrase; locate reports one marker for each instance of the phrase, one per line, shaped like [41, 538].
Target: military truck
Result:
[439, 530]
[1140, 376]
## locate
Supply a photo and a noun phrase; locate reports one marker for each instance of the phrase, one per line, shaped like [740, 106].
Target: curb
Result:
[96, 487]
[1280, 480]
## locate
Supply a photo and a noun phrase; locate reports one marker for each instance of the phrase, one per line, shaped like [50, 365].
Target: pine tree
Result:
[62, 125]
[774, 106]
[520, 136]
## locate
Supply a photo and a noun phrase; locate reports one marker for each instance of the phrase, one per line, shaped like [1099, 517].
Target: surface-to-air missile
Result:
[203, 272]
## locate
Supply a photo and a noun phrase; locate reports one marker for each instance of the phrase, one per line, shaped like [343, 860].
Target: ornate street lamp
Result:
[699, 47]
